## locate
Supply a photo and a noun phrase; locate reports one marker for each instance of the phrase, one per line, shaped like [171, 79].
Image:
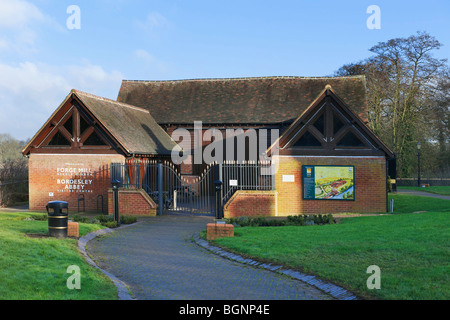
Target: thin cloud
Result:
[32, 91]
[18, 14]
[144, 55]
[149, 61]
[19, 22]
[153, 24]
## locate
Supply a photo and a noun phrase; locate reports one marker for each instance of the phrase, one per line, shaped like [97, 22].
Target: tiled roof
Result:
[134, 128]
[261, 100]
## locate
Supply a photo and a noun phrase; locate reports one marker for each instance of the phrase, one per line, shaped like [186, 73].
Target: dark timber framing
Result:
[329, 106]
[72, 108]
[87, 124]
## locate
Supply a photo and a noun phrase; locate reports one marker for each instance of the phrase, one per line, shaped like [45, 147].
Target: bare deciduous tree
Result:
[400, 78]
[13, 171]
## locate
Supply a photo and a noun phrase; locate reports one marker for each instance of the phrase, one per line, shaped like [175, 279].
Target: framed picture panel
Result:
[328, 182]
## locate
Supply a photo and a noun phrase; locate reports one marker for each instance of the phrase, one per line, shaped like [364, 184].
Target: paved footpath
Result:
[158, 260]
[422, 193]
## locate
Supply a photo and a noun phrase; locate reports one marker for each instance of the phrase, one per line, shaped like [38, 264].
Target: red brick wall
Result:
[67, 176]
[251, 204]
[132, 202]
[370, 186]
[287, 199]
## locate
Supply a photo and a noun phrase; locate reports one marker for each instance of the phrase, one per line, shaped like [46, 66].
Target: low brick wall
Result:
[251, 203]
[219, 230]
[132, 202]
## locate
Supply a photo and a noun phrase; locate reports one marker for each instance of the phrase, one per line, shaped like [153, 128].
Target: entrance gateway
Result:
[178, 194]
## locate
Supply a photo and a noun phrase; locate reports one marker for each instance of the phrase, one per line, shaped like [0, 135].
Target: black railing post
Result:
[160, 188]
[100, 197]
[220, 167]
[81, 199]
[115, 187]
[219, 208]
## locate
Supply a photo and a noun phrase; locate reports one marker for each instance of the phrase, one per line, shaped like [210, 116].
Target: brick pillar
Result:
[219, 230]
[72, 229]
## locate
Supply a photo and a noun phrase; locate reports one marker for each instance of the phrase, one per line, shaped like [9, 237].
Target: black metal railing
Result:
[194, 194]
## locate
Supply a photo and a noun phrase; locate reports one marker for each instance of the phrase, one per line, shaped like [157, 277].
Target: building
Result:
[326, 159]
[70, 156]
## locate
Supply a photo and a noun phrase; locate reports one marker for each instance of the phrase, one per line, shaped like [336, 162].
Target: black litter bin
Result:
[57, 219]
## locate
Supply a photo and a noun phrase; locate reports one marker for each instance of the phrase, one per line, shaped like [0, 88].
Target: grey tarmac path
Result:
[158, 260]
[422, 193]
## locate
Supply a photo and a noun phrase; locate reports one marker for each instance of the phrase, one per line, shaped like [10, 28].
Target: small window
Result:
[94, 140]
[320, 124]
[307, 140]
[350, 140]
[59, 140]
[68, 125]
[83, 125]
[337, 124]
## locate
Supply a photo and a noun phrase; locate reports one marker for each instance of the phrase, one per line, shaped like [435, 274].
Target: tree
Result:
[13, 170]
[10, 148]
[377, 89]
[400, 77]
[439, 120]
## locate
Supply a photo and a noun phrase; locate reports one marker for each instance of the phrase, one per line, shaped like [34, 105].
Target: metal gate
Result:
[194, 195]
[175, 193]
[172, 192]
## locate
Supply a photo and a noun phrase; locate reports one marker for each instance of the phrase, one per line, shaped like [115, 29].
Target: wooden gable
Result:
[72, 129]
[329, 128]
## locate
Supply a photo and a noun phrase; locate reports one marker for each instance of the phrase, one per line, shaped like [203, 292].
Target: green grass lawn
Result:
[35, 268]
[404, 203]
[412, 250]
[445, 190]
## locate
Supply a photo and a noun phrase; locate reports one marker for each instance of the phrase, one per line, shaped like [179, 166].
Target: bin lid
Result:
[58, 204]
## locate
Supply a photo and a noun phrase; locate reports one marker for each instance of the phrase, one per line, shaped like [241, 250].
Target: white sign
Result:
[288, 178]
[50, 194]
[233, 182]
[73, 178]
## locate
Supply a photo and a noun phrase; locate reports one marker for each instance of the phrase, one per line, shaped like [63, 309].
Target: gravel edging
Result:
[329, 288]
[122, 289]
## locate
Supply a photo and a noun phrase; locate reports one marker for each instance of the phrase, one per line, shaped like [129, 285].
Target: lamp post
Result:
[418, 164]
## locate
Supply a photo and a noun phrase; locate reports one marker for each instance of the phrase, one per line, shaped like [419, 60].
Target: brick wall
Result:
[370, 186]
[287, 199]
[132, 202]
[66, 176]
[251, 204]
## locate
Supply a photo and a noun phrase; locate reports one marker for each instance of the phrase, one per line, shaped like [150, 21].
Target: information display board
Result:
[328, 182]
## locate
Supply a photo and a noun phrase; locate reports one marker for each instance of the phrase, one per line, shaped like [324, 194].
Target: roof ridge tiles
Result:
[123, 104]
[248, 78]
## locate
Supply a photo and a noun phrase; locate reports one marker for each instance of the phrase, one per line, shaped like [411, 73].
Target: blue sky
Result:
[41, 59]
